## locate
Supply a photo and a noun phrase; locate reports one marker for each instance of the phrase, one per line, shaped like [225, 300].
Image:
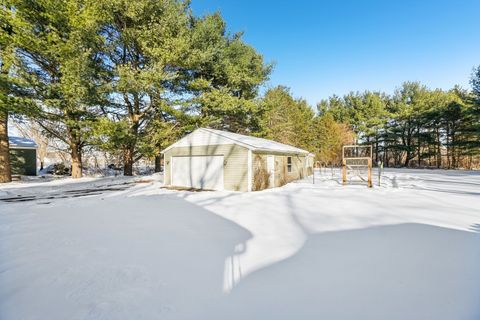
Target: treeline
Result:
[416, 126]
[292, 121]
[130, 77]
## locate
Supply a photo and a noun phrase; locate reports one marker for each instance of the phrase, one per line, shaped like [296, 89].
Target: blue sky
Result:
[321, 48]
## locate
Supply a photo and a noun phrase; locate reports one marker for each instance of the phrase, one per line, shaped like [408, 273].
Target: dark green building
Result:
[23, 156]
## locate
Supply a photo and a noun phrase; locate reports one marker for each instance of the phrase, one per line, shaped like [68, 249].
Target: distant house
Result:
[220, 160]
[23, 156]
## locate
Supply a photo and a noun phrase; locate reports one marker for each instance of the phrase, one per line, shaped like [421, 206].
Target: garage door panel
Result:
[202, 172]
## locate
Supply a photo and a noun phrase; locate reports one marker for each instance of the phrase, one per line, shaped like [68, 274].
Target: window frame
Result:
[289, 164]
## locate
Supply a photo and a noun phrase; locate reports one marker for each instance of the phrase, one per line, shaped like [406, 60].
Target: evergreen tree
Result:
[462, 124]
[475, 82]
[287, 120]
[225, 78]
[405, 127]
[55, 45]
[336, 107]
[473, 115]
[146, 45]
[328, 139]
[167, 70]
[14, 96]
[6, 32]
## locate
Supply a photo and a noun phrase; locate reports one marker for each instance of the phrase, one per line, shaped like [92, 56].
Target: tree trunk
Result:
[158, 163]
[76, 154]
[447, 136]
[439, 149]
[128, 162]
[385, 156]
[76, 146]
[407, 158]
[419, 148]
[129, 152]
[5, 169]
[407, 143]
[419, 161]
[454, 149]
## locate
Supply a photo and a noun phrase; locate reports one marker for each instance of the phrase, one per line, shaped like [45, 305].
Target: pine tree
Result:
[225, 78]
[55, 50]
[286, 119]
[6, 31]
[328, 138]
[147, 46]
[169, 69]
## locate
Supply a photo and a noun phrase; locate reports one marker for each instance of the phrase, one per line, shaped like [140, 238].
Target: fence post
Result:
[380, 169]
[369, 173]
[313, 173]
[344, 171]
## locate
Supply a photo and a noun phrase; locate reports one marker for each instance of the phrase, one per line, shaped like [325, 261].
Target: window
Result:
[289, 164]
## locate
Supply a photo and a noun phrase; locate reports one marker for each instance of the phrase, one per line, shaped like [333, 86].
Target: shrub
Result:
[260, 179]
[60, 169]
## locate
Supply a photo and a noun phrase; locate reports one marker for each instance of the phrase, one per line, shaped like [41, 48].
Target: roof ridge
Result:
[220, 133]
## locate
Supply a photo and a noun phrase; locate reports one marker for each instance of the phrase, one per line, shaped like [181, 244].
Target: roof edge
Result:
[209, 131]
[241, 143]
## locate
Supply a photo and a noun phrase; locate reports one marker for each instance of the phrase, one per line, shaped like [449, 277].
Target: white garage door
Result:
[201, 172]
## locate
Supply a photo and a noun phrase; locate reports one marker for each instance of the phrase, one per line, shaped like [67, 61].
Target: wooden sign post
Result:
[354, 159]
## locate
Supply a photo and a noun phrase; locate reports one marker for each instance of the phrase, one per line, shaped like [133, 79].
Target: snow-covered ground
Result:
[409, 249]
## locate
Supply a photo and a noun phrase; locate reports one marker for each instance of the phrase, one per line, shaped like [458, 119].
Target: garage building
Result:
[220, 160]
[23, 156]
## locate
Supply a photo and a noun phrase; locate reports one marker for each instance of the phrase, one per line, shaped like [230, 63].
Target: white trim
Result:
[281, 152]
[22, 148]
[249, 170]
[170, 163]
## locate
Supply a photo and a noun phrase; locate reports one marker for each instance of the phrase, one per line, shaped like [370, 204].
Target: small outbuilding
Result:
[219, 160]
[23, 156]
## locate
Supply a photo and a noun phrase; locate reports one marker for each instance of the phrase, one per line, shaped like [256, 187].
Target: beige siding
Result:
[282, 176]
[235, 166]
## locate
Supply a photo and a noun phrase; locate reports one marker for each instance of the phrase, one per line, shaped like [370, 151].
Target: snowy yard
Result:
[409, 249]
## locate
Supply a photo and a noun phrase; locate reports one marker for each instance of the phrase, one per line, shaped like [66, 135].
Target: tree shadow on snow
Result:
[160, 256]
[405, 271]
[475, 227]
[458, 192]
[146, 257]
